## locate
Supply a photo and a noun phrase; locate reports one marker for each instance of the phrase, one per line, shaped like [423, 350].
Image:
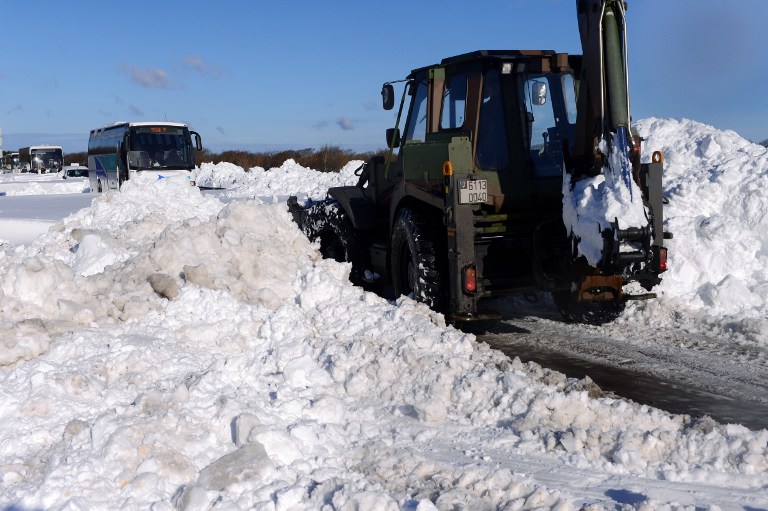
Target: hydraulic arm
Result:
[603, 111]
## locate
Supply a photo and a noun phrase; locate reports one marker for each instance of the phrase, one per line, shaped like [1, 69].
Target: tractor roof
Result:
[480, 56]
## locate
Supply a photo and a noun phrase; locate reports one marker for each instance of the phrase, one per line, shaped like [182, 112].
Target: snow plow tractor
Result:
[516, 171]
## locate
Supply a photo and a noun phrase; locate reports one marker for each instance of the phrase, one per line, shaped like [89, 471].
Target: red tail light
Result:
[662, 259]
[470, 279]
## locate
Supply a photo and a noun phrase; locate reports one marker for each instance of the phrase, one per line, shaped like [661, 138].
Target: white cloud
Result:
[196, 63]
[345, 123]
[148, 77]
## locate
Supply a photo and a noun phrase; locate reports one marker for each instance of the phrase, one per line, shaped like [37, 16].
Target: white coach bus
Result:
[123, 150]
[41, 158]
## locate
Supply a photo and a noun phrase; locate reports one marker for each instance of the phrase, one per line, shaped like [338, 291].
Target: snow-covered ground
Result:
[171, 349]
[31, 203]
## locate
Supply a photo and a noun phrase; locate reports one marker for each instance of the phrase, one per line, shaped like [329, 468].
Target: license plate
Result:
[473, 191]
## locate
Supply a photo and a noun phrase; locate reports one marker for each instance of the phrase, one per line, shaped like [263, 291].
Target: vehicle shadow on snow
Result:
[514, 312]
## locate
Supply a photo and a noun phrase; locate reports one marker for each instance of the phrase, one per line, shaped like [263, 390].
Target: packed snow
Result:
[167, 348]
[591, 205]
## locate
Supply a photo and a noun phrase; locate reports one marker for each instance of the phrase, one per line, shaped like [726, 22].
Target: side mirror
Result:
[539, 93]
[388, 96]
[393, 138]
[198, 140]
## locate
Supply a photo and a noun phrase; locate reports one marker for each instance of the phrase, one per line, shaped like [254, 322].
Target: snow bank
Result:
[166, 351]
[41, 184]
[717, 186]
[280, 182]
[220, 175]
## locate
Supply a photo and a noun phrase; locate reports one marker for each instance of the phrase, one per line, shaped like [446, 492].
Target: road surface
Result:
[676, 370]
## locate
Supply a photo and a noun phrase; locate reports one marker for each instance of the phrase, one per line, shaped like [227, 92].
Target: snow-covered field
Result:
[171, 349]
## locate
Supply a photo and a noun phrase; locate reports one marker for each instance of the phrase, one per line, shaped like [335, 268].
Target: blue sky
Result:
[293, 73]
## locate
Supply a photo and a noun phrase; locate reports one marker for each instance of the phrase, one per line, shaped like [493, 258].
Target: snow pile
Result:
[209, 358]
[717, 185]
[41, 280]
[163, 350]
[278, 183]
[220, 175]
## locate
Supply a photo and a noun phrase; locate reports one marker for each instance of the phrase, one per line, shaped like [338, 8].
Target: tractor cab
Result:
[517, 111]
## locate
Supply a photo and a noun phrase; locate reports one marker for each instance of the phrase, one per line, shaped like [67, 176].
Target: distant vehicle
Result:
[74, 171]
[41, 158]
[11, 161]
[123, 150]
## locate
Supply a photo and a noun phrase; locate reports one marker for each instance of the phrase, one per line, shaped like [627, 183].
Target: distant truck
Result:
[41, 159]
[119, 152]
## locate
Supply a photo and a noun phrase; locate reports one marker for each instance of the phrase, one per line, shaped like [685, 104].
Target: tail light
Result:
[662, 259]
[470, 279]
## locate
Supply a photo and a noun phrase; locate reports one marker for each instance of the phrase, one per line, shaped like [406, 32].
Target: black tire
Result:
[590, 313]
[327, 222]
[416, 261]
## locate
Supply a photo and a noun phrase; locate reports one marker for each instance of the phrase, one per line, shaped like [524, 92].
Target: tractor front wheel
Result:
[415, 260]
[328, 222]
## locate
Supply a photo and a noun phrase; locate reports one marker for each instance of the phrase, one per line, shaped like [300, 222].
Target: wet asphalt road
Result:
[674, 393]
[674, 397]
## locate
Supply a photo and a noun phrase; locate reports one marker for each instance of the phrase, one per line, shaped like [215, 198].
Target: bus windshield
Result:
[50, 159]
[160, 147]
[11, 161]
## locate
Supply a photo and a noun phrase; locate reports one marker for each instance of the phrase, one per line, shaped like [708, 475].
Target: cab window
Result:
[417, 120]
[492, 144]
[454, 103]
[544, 126]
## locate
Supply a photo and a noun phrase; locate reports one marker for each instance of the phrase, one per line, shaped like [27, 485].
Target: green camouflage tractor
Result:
[489, 193]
